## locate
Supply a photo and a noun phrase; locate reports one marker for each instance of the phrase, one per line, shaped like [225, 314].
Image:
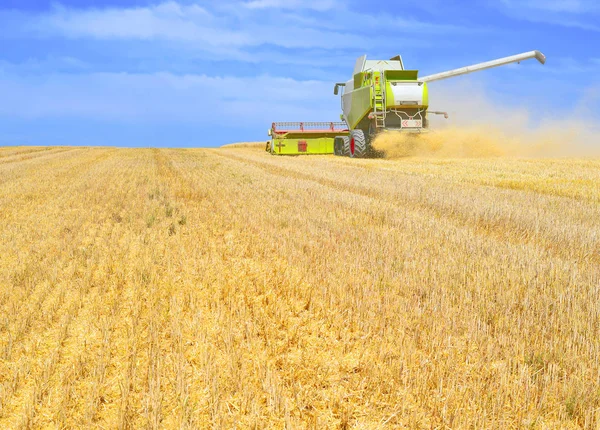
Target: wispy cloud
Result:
[184, 23]
[319, 5]
[167, 20]
[308, 33]
[314, 34]
[42, 65]
[237, 25]
[570, 6]
[164, 98]
[582, 14]
[570, 66]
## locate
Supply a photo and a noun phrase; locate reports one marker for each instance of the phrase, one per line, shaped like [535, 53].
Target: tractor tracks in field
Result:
[28, 155]
[9, 152]
[42, 321]
[16, 168]
[501, 226]
[73, 165]
[54, 359]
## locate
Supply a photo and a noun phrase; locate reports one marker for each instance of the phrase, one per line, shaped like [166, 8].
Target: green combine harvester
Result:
[381, 95]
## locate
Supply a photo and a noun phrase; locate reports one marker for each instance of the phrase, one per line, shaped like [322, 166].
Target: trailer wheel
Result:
[346, 146]
[358, 144]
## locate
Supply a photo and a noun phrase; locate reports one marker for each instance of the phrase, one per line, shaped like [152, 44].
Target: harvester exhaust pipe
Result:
[487, 65]
[336, 89]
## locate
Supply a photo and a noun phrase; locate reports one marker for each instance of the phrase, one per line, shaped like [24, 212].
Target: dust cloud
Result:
[478, 127]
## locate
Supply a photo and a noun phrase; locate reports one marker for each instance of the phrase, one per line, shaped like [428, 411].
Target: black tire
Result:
[346, 146]
[358, 146]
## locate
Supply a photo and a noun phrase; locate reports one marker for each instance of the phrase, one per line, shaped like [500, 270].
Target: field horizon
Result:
[226, 288]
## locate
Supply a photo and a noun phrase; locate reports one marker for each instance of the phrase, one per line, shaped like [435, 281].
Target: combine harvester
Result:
[380, 96]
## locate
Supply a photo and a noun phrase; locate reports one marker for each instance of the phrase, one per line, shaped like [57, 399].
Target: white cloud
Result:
[41, 65]
[169, 21]
[258, 32]
[569, 65]
[580, 14]
[570, 6]
[177, 22]
[166, 98]
[319, 5]
[287, 24]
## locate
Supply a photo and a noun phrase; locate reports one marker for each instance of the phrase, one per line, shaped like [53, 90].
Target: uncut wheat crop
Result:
[228, 288]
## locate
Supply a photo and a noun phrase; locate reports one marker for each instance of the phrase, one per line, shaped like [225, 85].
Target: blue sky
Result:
[204, 73]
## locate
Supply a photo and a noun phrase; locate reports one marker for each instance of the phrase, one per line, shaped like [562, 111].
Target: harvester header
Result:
[381, 95]
[289, 138]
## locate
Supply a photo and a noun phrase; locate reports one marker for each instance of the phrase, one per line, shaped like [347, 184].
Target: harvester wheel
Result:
[358, 144]
[345, 146]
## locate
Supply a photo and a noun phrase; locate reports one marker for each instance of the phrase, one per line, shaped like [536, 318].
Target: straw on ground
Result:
[223, 288]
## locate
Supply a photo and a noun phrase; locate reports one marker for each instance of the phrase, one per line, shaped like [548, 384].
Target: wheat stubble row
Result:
[222, 288]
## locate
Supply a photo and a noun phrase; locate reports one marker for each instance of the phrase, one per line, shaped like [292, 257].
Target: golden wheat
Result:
[261, 144]
[233, 289]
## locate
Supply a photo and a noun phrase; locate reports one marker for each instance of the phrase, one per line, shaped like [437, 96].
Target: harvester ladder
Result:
[379, 105]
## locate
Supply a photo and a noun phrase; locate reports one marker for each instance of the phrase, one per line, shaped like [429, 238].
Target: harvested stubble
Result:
[261, 145]
[223, 288]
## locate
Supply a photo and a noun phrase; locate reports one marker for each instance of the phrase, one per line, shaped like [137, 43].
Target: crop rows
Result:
[215, 288]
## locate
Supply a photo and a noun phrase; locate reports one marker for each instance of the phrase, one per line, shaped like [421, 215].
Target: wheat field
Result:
[227, 288]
